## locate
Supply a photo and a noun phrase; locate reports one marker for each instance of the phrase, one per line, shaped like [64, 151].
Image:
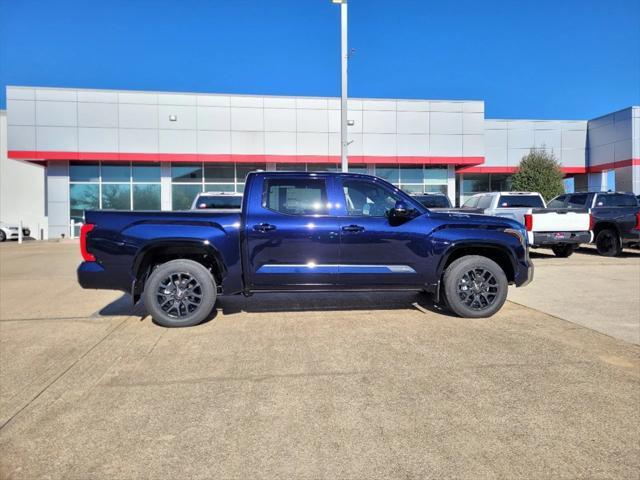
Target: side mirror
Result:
[400, 209]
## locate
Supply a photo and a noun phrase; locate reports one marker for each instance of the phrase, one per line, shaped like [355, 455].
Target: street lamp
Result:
[343, 96]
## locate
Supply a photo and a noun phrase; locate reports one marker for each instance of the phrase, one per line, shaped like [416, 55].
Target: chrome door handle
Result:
[264, 227]
[353, 228]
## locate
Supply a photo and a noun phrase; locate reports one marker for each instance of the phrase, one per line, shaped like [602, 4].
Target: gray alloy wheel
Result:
[180, 293]
[563, 251]
[475, 286]
[608, 243]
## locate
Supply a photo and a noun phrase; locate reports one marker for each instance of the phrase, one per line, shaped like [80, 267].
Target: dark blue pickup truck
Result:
[304, 232]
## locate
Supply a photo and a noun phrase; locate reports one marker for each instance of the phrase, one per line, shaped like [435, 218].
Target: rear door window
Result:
[295, 196]
[577, 201]
[616, 200]
[520, 201]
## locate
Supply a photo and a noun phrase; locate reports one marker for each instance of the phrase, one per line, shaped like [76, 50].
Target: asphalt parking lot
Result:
[320, 386]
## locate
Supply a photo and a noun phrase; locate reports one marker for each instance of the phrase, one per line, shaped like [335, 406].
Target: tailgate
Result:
[560, 220]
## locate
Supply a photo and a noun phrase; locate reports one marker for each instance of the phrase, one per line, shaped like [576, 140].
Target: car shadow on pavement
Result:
[294, 302]
[626, 253]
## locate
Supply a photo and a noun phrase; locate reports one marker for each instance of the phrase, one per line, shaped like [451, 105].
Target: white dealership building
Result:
[64, 150]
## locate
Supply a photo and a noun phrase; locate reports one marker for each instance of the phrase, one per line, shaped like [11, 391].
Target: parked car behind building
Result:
[9, 231]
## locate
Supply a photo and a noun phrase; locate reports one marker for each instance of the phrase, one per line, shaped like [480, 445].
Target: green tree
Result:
[539, 171]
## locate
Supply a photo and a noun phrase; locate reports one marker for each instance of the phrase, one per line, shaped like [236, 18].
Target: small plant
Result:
[539, 171]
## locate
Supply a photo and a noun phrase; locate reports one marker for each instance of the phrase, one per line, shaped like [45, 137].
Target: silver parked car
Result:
[9, 231]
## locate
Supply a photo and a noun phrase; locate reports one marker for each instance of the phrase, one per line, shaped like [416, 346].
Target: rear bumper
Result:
[92, 275]
[543, 239]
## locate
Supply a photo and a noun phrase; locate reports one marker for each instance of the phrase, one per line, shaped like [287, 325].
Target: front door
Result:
[292, 238]
[373, 252]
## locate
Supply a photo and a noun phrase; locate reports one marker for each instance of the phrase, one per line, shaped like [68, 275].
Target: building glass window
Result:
[146, 196]
[182, 196]
[83, 197]
[291, 167]
[116, 196]
[84, 172]
[116, 172]
[186, 172]
[146, 172]
[415, 179]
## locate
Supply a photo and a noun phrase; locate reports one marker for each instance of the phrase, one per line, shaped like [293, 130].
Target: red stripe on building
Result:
[34, 155]
[630, 162]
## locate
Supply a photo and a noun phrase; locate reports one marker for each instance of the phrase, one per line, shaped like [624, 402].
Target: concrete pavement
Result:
[303, 386]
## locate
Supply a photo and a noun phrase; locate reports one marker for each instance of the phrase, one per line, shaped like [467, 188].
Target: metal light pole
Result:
[344, 55]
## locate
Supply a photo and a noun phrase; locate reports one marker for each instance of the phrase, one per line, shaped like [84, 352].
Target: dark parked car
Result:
[433, 200]
[615, 218]
[304, 231]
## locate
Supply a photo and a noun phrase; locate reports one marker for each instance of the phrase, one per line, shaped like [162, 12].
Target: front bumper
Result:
[544, 239]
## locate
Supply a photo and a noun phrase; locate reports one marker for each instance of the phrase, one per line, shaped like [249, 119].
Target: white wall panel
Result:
[313, 143]
[137, 116]
[142, 98]
[412, 106]
[57, 138]
[97, 114]
[248, 143]
[473, 106]
[177, 141]
[213, 118]
[377, 144]
[280, 120]
[412, 145]
[247, 119]
[521, 138]
[375, 121]
[138, 140]
[213, 141]
[473, 122]
[623, 150]
[473, 145]
[21, 112]
[334, 144]
[389, 105]
[495, 156]
[547, 138]
[356, 116]
[444, 106]
[185, 117]
[312, 120]
[56, 94]
[57, 114]
[355, 147]
[446, 123]
[311, 103]
[279, 102]
[353, 104]
[496, 138]
[280, 143]
[572, 157]
[446, 145]
[97, 96]
[213, 100]
[574, 139]
[255, 102]
[334, 120]
[97, 139]
[21, 137]
[515, 155]
[177, 99]
[413, 122]
[21, 93]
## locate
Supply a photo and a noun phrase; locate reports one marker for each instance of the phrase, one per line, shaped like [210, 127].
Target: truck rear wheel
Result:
[608, 243]
[180, 293]
[475, 286]
[563, 251]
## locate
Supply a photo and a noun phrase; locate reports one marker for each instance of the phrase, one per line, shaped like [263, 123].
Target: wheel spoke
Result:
[179, 294]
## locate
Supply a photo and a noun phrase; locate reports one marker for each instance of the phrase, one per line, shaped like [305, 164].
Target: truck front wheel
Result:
[475, 286]
[180, 293]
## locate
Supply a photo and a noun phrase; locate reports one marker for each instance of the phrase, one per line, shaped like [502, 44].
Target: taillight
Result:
[528, 222]
[637, 227]
[84, 231]
[592, 221]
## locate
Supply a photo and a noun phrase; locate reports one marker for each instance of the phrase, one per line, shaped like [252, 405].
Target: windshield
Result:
[224, 202]
[520, 201]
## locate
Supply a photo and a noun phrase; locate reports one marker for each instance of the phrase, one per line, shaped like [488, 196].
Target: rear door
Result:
[292, 238]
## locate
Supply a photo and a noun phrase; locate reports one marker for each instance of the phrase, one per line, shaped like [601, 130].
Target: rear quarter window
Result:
[520, 201]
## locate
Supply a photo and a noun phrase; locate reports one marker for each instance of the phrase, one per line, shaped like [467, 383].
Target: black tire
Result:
[563, 251]
[3, 236]
[608, 243]
[482, 299]
[180, 293]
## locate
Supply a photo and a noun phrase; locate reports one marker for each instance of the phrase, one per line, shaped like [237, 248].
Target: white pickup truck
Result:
[560, 229]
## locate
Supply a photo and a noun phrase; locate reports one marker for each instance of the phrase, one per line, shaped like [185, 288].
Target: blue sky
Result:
[536, 59]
